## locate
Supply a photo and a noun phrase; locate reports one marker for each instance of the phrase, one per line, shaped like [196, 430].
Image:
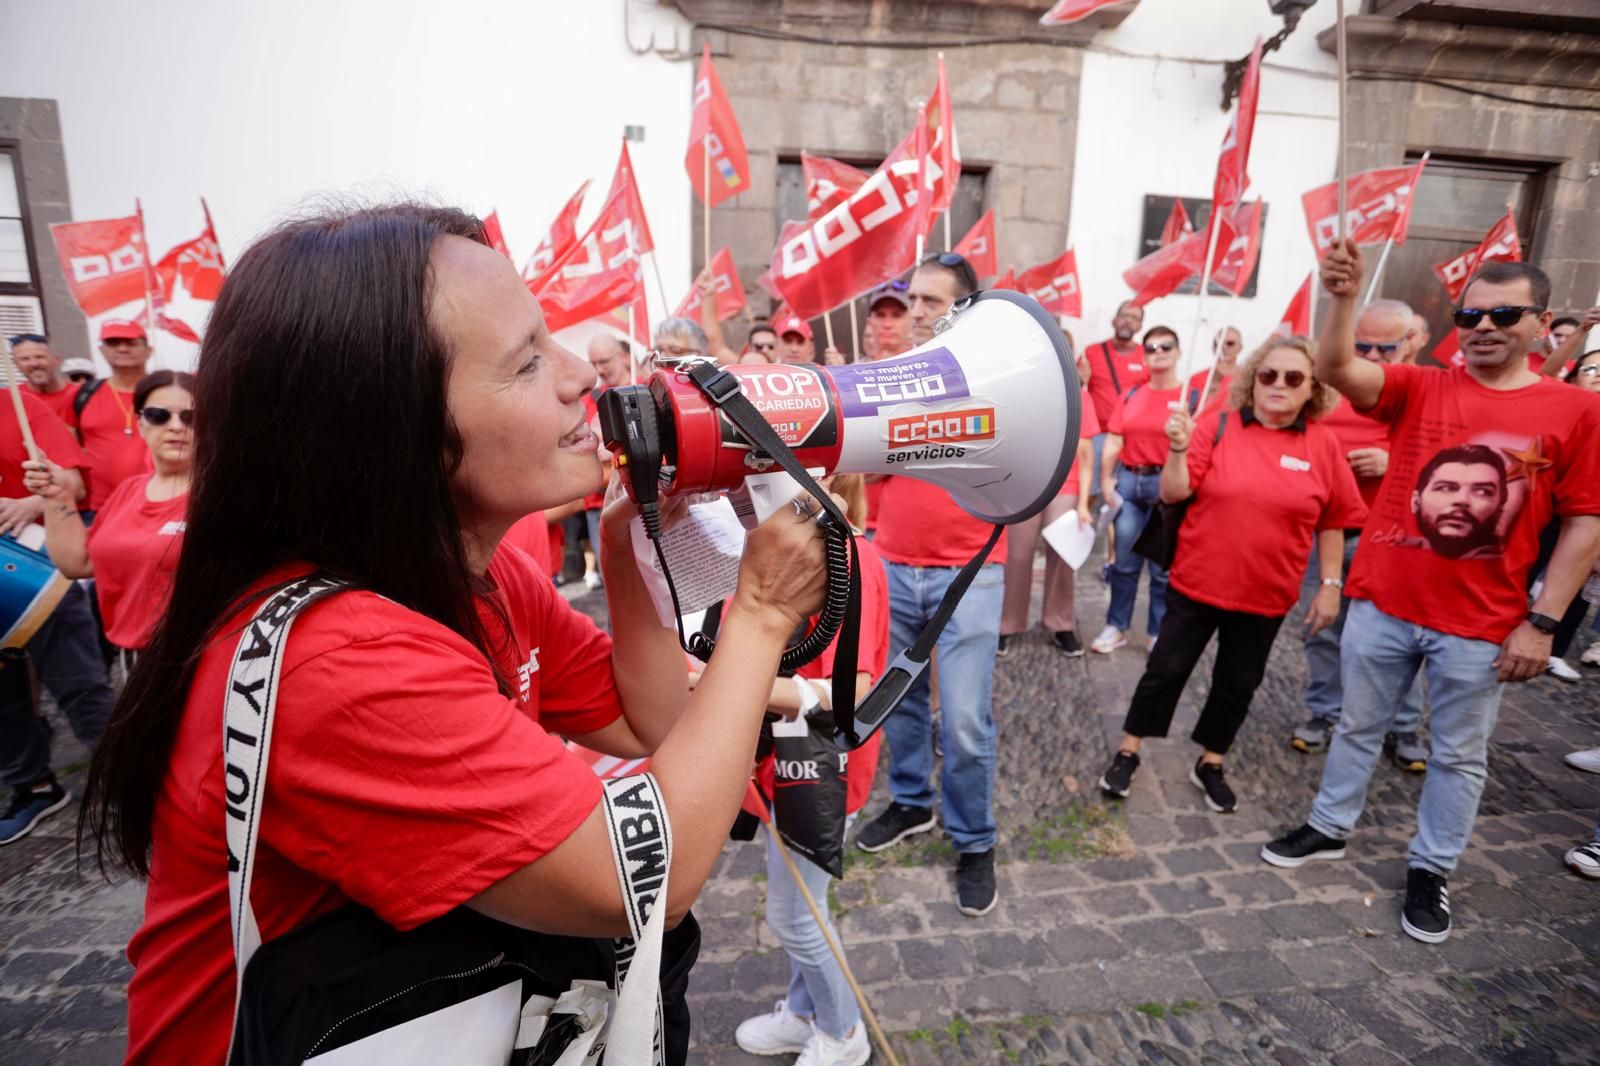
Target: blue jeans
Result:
[966, 675]
[1140, 494]
[1382, 656]
[1324, 689]
[817, 985]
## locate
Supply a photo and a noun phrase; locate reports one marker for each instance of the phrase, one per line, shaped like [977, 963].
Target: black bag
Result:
[347, 988]
[1158, 540]
[810, 790]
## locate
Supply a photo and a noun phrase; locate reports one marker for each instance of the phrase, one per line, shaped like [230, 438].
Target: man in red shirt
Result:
[889, 320]
[794, 339]
[65, 650]
[1488, 453]
[114, 450]
[1226, 348]
[1385, 333]
[1115, 366]
[925, 539]
[42, 369]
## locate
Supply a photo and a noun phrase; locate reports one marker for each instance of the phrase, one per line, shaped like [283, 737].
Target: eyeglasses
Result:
[1589, 371]
[1366, 348]
[1164, 346]
[160, 416]
[1230, 344]
[1293, 379]
[1502, 317]
[763, 346]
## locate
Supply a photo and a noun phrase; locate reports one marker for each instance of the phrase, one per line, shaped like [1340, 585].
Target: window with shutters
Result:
[20, 307]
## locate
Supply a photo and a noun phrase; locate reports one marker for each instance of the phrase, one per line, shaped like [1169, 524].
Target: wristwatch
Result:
[1542, 622]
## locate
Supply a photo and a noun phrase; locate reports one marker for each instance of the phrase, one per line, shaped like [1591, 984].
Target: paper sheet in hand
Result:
[703, 550]
[1070, 539]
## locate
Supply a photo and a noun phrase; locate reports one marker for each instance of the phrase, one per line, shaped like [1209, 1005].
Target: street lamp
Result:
[1233, 72]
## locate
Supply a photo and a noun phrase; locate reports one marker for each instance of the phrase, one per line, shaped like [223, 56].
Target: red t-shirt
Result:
[1091, 428]
[1141, 420]
[1355, 430]
[874, 496]
[1112, 372]
[1260, 496]
[1454, 554]
[872, 657]
[49, 433]
[112, 443]
[531, 533]
[134, 545]
[59, 401]
[1219, 391]
[400, 778]
[920, 525]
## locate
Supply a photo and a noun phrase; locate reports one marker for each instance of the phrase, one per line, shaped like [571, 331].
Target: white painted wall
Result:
[479, 103]
[1149, 122]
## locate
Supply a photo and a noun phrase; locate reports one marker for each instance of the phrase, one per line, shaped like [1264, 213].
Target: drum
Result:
[30, 586]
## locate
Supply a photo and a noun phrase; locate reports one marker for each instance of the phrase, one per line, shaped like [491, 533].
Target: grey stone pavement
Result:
[1142, 932]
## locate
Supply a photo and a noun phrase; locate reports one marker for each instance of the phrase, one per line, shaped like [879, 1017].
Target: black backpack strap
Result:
[81, 400]
[1222, 424]
[1111, 365]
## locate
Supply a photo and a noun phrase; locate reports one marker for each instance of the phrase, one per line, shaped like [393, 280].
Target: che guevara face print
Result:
[1466, 497]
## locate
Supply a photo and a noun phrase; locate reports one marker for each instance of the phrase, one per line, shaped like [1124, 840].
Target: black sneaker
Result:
[1067, 641]
[975, 891]
[30, 806]
[1301, 846]
[1207, 777]
[1118, 778]
[1003, 649]
[896, 823]
[1426, 915]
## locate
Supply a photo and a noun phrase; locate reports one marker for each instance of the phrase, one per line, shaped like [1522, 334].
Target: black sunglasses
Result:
[160, 416]
[1164, 346]
[764, 346]
[1502, 317]
[1293, 379]
[1365, 347]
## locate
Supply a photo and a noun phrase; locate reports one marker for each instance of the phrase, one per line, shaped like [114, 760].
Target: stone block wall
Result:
[36, 126]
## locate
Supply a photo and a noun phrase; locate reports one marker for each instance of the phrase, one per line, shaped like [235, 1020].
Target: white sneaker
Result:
[1559, 670]
[1110, 639]
[1585, 760]
[591, 580]
[778, 1033]
[1585, 860]
[824, 1050]
[1591, 656]
[1150, 643]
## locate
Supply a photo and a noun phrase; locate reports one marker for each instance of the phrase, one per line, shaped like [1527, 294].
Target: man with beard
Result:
[1458, 500]
[41, 368]
[1115, 366]
[1460, 615]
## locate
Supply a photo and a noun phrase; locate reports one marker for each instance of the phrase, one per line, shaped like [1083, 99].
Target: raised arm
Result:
[1337, 363]
[716, 345]
[1175, 486]
[1572, 347]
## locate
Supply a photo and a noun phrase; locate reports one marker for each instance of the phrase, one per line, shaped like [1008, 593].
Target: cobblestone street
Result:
[1141, 932]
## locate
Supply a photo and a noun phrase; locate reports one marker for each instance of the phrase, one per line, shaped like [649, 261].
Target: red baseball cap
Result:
[120, 329]
[791, 323]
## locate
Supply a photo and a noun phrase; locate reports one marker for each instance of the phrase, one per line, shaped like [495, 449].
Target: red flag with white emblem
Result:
[1500, 245]
[598, 273]
[829, 183]
[1069, 11]
[1233, 163]
[730, 294]
[562, 236]
[196, 264]
[104, 261]
[978, 247]
[1054, 285]
[1297, 316]
[942, 164]
[1377, 206]
[1237, 260]
[1177, 224]
[155, 314]
[494, 234]
[1008, 280]
[625, 182]
[714, 131]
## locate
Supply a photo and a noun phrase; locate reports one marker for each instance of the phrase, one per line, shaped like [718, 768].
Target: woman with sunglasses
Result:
[133, 548]
[1266, 480]
[1135, 448]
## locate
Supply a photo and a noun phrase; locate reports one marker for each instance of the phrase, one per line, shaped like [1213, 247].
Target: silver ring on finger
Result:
[805, 507]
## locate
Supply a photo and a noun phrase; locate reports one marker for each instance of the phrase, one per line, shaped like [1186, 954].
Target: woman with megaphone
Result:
[379, 400]
[1265, 480]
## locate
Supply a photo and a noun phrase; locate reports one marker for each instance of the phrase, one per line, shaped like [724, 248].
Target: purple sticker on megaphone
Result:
[864, 388]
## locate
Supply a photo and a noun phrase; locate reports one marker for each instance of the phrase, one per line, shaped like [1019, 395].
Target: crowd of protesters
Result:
[1437, 527]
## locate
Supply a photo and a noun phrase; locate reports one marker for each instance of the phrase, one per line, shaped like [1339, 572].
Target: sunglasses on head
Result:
[160, 416]
[1293, 379]
[1502, 317]
[1160, 346]
[1366, 348]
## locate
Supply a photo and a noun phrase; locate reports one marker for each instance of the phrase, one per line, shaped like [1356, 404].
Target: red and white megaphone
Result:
[987, 410]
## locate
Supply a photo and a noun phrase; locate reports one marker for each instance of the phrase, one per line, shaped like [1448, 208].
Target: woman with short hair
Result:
[1265, 480]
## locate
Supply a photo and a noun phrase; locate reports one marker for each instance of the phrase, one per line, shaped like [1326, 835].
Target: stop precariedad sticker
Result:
[794, 401]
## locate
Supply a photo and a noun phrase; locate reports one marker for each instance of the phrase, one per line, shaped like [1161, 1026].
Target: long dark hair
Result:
[321, 436]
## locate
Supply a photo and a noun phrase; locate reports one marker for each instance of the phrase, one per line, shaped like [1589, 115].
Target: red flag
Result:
[1008, 280]
[1448, 351]
[492, 231]
[1500, 244]
[1177, 223]
[633, 211]
[104, 261]
[563, 235]
[714, 130]
[1163, 270]
[829, 183]
[1069, 11]
[1233, 163]
[1377, 205]
[978, 247]
[196, 263]
[1055, 285]
[1297, 316]
[942, 165]
[730, 294]
[599, 272]
[925, 166]
[941, 114]
[155, 302]
[1237, 261]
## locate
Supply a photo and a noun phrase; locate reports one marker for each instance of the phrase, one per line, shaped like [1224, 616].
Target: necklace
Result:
[126, 409]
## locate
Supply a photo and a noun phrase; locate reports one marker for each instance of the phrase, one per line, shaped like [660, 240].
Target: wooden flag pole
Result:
[1344, 85]
[827, 328]
[1383, 257]
[661, 289]
[16, 402]
[855, 334]
[1184, 362]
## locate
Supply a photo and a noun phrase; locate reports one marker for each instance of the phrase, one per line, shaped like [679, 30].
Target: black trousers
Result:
[1243, 643]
